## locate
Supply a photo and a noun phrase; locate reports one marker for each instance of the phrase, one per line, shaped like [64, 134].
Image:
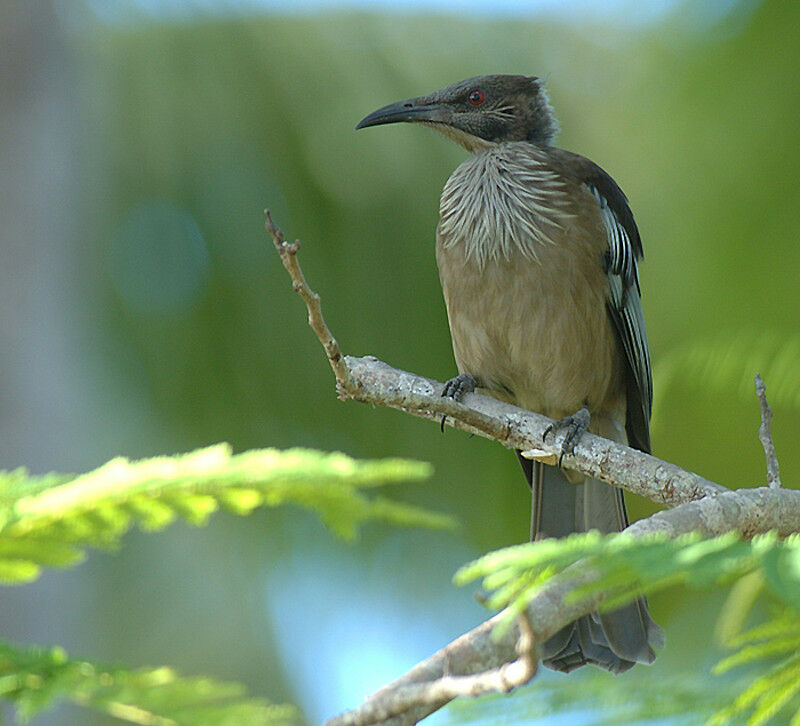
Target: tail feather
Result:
[613, 640]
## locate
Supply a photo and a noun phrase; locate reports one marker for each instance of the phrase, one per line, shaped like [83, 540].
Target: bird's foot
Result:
[575, 425]
[456, 388]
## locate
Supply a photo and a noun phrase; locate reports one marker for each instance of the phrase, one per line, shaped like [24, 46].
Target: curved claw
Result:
[575, 425]
[456, 388]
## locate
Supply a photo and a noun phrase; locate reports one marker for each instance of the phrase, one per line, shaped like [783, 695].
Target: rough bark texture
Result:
[378, 383]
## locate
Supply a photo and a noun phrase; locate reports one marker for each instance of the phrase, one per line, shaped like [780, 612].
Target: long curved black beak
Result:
[414, 109]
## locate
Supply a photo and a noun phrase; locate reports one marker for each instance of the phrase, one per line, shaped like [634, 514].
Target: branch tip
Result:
[765, 434]
[401, 701]
[288, 254]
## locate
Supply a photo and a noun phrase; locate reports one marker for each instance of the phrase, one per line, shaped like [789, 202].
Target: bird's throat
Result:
[503, 201]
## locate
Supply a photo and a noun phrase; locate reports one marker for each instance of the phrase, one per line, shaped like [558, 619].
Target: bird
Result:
[538, 256]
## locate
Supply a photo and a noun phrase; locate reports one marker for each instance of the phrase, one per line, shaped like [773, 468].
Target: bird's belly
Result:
[535, 333]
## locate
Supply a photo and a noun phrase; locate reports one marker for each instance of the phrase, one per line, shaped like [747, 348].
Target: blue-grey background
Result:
[143, 310]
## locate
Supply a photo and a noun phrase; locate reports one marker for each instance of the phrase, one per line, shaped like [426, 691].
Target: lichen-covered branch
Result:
[515, 427]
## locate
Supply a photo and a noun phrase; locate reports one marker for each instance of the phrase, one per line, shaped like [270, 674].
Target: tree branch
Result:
[477, 662]
[288, 254]
[748, 511]
[393, 702]
[370, 380]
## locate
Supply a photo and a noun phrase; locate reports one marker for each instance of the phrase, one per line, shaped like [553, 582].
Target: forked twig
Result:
[370, 380]
[436, 693]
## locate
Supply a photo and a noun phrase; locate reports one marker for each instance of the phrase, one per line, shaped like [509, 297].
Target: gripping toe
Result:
[458, 387]
[575, 427]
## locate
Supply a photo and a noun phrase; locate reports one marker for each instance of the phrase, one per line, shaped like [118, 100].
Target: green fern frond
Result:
[625, 567]
[36, 679]
[740, 704]
[48, 521]
[784, 686]
[779, 637]
[772, 691]
[739, 603]
[751, 653]
[782, 625]
[767, 695]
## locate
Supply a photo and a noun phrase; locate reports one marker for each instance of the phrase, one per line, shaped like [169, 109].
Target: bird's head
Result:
[480, 111]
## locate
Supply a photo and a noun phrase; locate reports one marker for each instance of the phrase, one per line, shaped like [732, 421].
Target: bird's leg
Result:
[456, 388]
[575, 425]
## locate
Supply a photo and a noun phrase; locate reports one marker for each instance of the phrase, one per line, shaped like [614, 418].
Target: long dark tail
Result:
[614, 640]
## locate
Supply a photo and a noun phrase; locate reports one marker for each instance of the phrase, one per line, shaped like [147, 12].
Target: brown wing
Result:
[625, 306]
[624, 302]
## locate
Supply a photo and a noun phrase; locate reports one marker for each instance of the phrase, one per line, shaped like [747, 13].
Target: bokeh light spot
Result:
[158, 261]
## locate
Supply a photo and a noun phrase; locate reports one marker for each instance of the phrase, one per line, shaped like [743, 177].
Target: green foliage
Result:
[775, 643]
[625, 566]
[35, 679]
[47, 521]
[728, 362]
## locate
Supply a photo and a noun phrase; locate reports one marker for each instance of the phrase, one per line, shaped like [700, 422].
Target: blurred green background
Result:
[144, 310]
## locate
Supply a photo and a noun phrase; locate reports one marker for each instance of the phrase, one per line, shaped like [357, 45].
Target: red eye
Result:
[476, 97]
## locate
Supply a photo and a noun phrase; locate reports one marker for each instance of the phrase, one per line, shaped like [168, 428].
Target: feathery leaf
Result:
[36, 678]
[47, 521]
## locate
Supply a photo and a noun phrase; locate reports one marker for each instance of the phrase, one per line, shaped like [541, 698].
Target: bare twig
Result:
[765, 434]
[288, 254]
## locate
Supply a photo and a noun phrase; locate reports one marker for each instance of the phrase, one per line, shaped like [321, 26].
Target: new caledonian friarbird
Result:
[538, 257]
